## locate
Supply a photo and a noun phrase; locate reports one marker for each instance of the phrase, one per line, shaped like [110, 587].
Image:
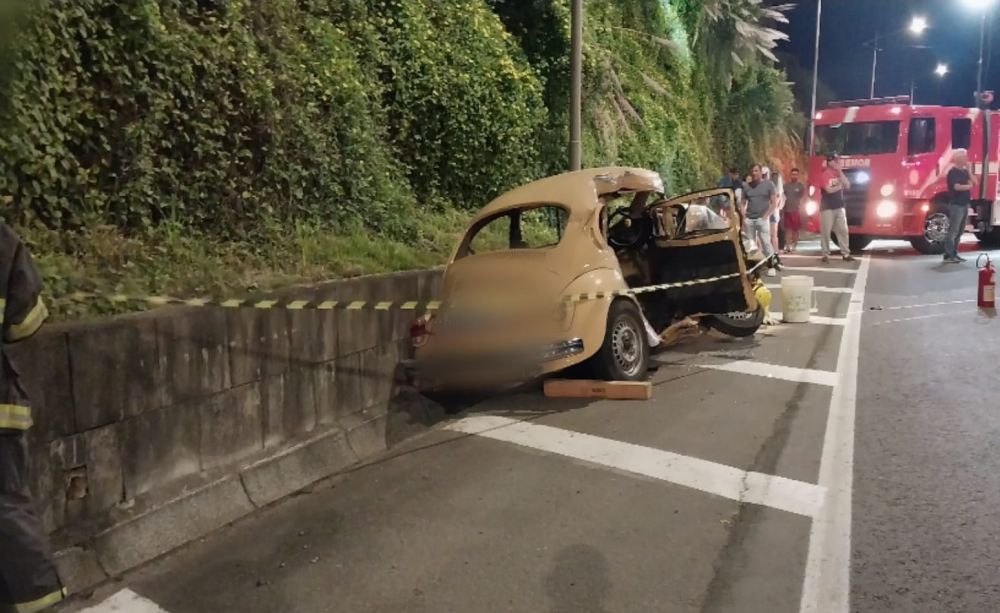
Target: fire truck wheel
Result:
[857, 242]
[989, 239]
[927, 247]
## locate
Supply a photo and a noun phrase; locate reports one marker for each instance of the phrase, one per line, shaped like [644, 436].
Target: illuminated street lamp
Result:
[984, 6]
[941, 70]
[918, 25]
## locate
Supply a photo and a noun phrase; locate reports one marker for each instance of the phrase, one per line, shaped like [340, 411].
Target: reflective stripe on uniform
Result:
[3, 307]
[42, 603]
[14, 417]
[36, 316]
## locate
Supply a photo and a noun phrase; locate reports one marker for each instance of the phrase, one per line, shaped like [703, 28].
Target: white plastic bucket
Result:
[797, 298]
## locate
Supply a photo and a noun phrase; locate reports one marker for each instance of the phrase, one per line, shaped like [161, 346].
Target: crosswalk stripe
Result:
[818, 319]
[751, 367]
[843, 271]
[722, 480]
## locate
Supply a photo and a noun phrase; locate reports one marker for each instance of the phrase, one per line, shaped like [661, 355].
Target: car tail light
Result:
[420, 331]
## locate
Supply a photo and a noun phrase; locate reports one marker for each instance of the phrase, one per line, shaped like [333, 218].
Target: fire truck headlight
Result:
[887, 190]
[887, 209]
[811, 207]
[862, 178]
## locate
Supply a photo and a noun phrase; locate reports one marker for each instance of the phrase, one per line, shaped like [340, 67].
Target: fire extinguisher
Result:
[987, 282]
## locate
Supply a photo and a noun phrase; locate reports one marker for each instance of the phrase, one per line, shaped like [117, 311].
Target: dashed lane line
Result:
[750, 367]
[125, 601]
[826, 587]
[719, 479]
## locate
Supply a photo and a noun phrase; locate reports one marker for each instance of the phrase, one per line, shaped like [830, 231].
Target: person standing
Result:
[28, 578]
[792, 213]
[760, 201]
[779, 190]
[832, 216]
[960, 184]
[733, 182]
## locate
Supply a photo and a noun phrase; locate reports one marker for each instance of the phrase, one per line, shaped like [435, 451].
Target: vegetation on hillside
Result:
[204, 146]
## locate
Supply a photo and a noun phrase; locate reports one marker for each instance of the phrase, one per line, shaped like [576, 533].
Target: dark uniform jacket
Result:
[21, 314]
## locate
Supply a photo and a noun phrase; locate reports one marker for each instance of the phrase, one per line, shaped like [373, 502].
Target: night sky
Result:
[845, 65]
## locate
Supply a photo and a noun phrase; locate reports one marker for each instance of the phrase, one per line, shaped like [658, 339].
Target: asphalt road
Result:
[811, 466]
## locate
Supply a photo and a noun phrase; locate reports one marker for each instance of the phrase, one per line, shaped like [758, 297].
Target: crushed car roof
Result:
[577, 191]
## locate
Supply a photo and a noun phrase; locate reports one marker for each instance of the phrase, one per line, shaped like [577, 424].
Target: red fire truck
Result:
[897, 157]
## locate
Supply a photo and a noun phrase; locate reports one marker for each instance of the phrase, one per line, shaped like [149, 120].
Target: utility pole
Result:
[812, 114]
[982, 44]
[874, 65]
[576, 87]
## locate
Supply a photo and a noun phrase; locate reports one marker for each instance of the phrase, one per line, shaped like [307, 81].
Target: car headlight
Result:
[811, 207]
[887, 190]
[812, 191]
[887, 209]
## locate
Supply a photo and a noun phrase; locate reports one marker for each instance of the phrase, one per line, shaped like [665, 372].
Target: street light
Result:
[918, 25]
[812, 112]
[941, 70]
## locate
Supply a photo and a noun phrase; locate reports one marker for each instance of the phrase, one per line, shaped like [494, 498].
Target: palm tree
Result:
[734, 33]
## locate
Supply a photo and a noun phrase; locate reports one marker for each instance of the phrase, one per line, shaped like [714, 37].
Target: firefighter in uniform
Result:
[28, 579]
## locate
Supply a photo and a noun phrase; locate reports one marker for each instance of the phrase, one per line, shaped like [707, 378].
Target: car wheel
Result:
[738, 324]
[624, 355]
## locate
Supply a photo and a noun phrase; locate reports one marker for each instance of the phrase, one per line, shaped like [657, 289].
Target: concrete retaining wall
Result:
[157, 428]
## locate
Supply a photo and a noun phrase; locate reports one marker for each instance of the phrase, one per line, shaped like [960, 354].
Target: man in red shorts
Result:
[794, 192]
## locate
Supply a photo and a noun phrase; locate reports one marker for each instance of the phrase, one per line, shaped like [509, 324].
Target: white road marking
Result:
[923, 306]
[726, 481]
[819, 288]
[751, 367]
[125, 601]
[843, 271]
[919, 317]
[817, 319]
[826, 587]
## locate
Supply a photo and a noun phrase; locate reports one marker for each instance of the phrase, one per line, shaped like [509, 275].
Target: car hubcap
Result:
[626, 348]
[936, 228]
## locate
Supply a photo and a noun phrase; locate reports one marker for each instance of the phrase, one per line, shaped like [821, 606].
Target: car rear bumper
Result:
[487, 368]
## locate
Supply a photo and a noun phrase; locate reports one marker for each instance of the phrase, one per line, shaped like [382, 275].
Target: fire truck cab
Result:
[897, 157]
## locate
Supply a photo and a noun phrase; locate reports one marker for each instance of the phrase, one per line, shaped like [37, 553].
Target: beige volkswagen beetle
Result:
[570, 270]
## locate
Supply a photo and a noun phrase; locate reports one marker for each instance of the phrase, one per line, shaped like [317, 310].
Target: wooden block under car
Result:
[612, 390]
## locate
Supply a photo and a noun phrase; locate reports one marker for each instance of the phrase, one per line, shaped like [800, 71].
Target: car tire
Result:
[737, 325]
[624, 354]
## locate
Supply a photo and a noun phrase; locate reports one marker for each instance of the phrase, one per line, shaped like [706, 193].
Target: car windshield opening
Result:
[530, 227]
[865, 138]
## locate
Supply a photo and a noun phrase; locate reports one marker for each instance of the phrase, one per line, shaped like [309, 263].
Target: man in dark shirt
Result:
[960, 184]
[732, 181]
[794, 191]
[832, 216]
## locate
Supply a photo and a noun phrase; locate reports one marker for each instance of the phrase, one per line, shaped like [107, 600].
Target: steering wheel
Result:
[626, 233]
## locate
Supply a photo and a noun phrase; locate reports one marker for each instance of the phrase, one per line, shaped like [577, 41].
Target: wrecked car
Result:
[587, 268]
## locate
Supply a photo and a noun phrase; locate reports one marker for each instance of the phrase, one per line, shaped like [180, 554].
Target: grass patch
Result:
[178, 261]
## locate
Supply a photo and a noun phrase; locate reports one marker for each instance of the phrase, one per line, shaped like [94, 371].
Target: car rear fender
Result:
[588, 318]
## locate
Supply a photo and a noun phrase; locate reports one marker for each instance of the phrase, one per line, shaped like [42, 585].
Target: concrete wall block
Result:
[116, 371]
[159, 447]
[45, 484]
[312, 333]
[193, 347]
[42, 363]
[378, 369]
[289, 406]
[169, 526]
[231, 426]
[78, 569]
[366, 431]
[348, 384]
[245, 353]
[295, 468]
[325, 392]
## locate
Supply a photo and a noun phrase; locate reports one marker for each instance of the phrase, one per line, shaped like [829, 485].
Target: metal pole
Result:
[812, 115]
[982, 43]
[874, 65]
[576, 87]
